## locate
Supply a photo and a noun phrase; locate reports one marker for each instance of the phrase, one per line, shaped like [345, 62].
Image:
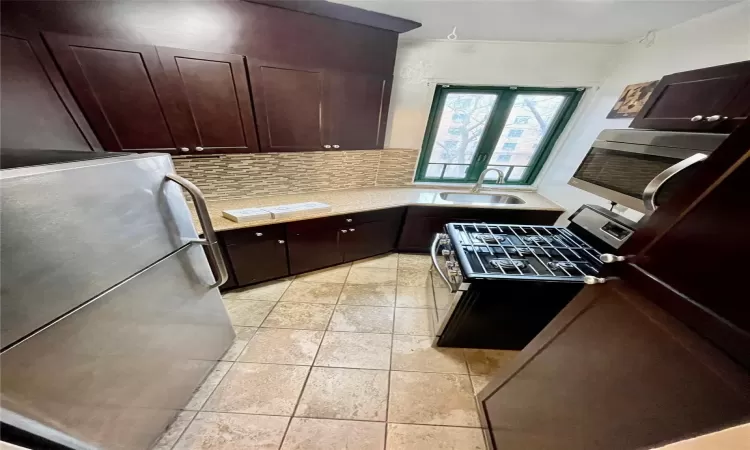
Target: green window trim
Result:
[491, 134]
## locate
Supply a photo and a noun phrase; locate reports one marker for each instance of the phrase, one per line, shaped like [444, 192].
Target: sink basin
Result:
[495, 199]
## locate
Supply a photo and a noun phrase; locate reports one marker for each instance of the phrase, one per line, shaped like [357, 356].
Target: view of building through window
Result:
[473, 128]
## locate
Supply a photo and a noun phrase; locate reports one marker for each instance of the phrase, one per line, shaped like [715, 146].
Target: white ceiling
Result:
[601, 21]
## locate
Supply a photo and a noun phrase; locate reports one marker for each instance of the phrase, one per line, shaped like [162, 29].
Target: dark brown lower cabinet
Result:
[423, 222]
[256, 254]
[313, 244]
[369, 239]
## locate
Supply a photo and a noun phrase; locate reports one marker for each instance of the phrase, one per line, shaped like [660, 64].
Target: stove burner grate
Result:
[487, 238]
[521, 251]
[555, 265]
[534, 240]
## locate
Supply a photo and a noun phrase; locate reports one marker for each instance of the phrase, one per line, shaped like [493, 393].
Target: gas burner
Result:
[488, 238]
[534, 240]
[554, 265]
[521, 251]
[505, 263]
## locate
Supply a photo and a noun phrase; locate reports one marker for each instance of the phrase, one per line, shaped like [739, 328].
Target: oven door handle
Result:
[433, 255]
[649, 194]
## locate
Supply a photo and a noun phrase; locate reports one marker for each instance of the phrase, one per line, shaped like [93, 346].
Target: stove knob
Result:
[446, 252]
[444, 241]
[610, 258]
[588, 279]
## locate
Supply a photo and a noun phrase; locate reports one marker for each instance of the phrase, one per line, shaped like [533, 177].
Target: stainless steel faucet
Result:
[500, 179]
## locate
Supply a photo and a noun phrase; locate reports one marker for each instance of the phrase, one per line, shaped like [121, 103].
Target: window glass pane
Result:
[528, 122]
[462, 121]
[455, 171]
[434, 170]
[517, 174]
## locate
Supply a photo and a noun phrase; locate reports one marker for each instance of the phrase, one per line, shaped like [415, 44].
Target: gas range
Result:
[533, 252]
[509, 281]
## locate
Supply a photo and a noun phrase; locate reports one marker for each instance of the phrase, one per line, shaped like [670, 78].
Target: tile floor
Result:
[336, 359]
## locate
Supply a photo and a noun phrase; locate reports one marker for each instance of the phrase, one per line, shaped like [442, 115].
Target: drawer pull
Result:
[351, 229]
[349, 220]
[259, 234]
[281, 241]
[343, 231]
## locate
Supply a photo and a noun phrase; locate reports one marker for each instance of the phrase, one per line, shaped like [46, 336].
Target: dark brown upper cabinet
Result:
[356, 107]
[714, 99]
[118, 87]
[210, 108]
[288, 107]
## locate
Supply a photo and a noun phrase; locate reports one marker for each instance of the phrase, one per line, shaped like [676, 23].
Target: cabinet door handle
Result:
[715, 118]
[259, 234]
[198, 149]
[349, 220]
[336, 146]
[351, 229]
[697, 118]
[184, 149]
[281, 241]
[327, 146]
[343, 231]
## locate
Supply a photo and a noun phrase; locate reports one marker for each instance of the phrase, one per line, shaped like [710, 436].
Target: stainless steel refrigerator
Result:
[109, 309]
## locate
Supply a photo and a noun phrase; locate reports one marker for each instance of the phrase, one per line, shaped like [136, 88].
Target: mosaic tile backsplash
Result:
[225, 177]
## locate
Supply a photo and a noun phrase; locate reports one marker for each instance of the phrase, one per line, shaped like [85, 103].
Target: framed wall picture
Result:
[632, 99]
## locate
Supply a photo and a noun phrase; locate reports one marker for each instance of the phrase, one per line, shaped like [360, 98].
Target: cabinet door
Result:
[33, 116]
[369, 239]
[288, 107]
[686, 100]
[119, 88]
[257, 254]
[357, 110]
[210, 106]
[313, 244]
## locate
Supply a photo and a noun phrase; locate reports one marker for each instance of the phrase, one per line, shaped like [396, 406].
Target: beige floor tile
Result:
[426, 437]
[258, 389]
[233, 432]
[344, 394]
[207, 388]
[362, 319]
[413, 321]
[302, 291]
[169, 438]
[267, 292]
[368, 295]
[479, 382]
[389, 261]
[302, 316]
[414, 262]
[488, 362]
[413, 277]
[414, 297]
[248, 313]
[322, 434]
[336, 274]
[443, 297]
[432, 399]
[243, 336]
[416, 354]
[355, 350]
[282, 346]
[368, 275]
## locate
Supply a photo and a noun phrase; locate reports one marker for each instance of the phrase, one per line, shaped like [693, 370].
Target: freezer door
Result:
[70, 231]
[116, 372]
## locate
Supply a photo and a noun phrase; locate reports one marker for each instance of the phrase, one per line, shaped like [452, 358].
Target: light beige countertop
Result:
[366, 199]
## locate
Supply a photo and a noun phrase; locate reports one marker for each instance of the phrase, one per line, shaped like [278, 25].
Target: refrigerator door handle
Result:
[210, 240]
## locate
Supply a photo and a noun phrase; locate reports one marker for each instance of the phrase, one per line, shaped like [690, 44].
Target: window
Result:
[470, 129]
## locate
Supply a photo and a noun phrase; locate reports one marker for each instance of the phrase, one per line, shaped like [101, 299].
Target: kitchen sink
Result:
[496, 199]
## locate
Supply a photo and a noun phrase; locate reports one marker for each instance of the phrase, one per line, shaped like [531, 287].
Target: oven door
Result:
[635, 175]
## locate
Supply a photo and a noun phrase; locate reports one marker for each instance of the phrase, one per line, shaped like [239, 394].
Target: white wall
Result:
[422, 64]
[717, 38]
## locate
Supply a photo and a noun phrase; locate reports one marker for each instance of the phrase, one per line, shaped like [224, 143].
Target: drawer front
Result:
[255, 234]
[380, 215]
